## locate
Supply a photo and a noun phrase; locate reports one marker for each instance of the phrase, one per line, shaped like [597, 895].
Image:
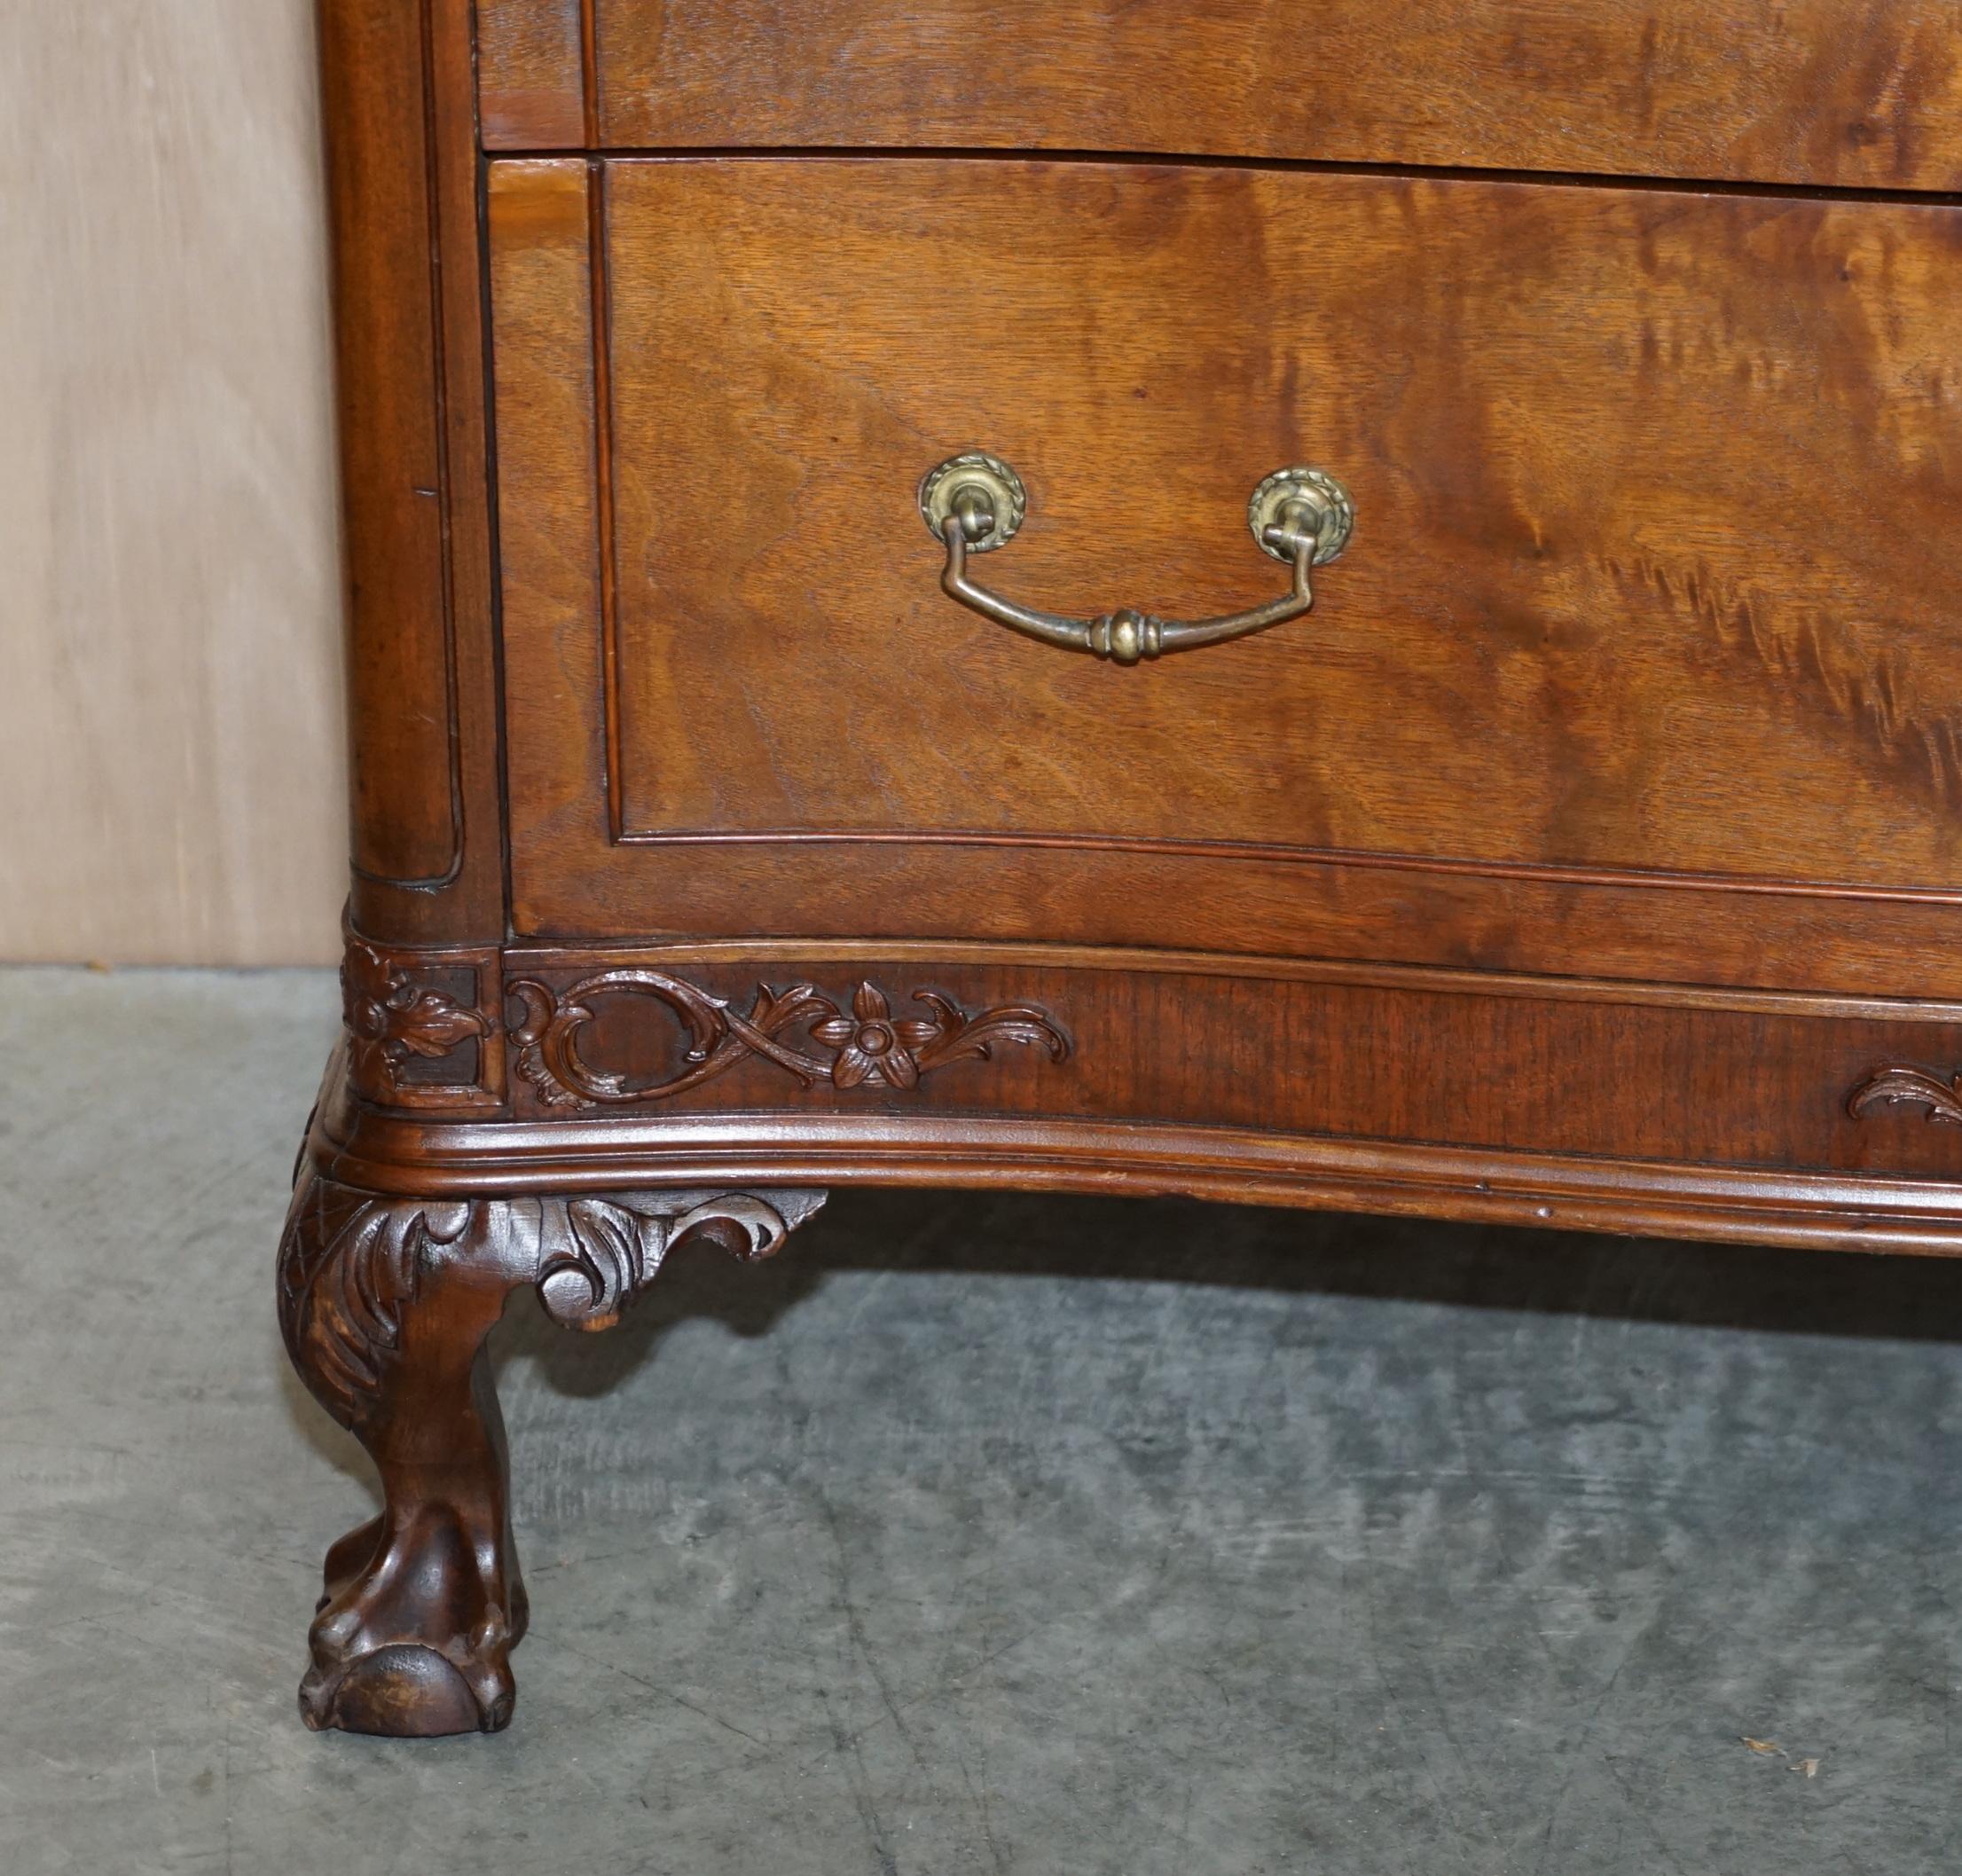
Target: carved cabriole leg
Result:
[387, 1304]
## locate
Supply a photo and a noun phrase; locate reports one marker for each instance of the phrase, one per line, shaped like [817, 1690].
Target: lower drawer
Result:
[1641, 661]
[1433, 1057]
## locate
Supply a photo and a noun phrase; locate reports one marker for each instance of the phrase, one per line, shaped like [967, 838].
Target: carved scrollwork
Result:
[865, 1046]
[352, 1265]
[597, 1254]
[1901, 1085]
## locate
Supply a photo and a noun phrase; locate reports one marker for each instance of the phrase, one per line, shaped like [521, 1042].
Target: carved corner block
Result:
[386, 1305]
[426, 1028]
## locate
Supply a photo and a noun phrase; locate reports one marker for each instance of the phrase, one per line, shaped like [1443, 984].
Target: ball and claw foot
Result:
[376, 1668]
[387, 1304]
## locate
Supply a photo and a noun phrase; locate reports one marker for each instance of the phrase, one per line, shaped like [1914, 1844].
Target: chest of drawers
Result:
[1347, 608]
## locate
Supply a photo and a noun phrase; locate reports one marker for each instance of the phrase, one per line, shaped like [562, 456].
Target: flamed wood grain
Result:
[1855, 92]
[1651, 574]
[1631, 524]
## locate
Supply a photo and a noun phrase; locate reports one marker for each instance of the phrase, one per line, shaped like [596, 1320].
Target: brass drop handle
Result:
[976, 503]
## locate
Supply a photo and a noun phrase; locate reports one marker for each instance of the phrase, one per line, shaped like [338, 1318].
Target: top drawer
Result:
[1848, 93]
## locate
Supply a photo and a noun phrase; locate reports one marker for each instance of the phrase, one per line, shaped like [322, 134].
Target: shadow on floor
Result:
[1178, 1240]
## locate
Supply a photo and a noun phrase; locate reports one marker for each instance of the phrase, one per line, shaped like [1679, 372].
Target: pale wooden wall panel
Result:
[170, 696]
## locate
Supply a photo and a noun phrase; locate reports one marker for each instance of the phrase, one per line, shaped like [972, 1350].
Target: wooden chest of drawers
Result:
[1343, 610]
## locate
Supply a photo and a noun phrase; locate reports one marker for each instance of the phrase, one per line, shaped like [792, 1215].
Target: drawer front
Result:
[1851, 92]
[1466, 1060]
[1646, 645]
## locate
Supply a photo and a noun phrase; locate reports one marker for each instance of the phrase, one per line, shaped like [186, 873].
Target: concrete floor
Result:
[976, 1535]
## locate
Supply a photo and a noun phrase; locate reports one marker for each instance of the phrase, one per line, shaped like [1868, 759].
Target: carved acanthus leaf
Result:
[352, 1265]
[596, 1254]
[429, 1024]
[1902, 1084]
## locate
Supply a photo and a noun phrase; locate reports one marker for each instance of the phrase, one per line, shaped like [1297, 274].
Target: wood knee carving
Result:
[386, 1303]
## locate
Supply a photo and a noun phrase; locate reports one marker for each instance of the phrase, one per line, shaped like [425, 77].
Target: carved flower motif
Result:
[873, 1050]
[867, 1048]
